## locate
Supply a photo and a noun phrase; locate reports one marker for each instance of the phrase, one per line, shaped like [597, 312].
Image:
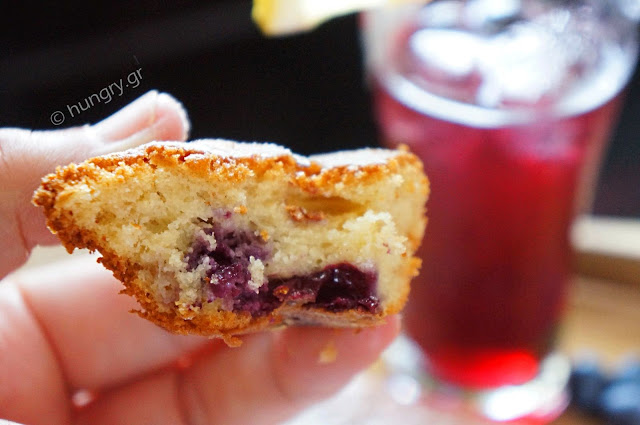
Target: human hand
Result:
[65, 331]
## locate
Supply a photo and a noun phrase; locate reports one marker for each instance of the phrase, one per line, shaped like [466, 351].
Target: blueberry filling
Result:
[335, 288]
[227, 275]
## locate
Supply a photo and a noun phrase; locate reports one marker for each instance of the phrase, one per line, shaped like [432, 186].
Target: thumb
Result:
[26, 156]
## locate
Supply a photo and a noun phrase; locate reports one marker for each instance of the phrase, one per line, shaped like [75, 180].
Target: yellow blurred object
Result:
[281, 17]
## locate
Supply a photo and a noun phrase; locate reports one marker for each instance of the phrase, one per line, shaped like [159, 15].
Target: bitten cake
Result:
[222, 238]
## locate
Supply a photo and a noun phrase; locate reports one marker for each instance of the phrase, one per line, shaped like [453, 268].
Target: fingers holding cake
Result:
[212, 238]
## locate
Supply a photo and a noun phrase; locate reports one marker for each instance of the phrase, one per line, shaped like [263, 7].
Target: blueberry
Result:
[586, 383]
[629, 371]
[619, 403]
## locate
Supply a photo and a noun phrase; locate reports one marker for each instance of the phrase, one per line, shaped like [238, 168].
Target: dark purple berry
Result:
[619, 403]
[586, 383]
[629, 371]
[337, 287]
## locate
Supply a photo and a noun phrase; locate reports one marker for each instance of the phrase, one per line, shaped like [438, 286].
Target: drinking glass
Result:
[509, 103]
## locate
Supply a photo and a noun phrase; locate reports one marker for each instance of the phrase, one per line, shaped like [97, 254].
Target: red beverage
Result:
[506, 183]
[496, 254]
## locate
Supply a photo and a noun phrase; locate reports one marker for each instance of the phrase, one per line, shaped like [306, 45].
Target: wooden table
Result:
[604, 310]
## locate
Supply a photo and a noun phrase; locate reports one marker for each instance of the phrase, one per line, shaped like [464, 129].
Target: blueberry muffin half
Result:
[222, 238]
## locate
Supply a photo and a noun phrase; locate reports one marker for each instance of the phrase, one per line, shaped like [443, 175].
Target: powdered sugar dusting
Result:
[355, 158]
[203, 148]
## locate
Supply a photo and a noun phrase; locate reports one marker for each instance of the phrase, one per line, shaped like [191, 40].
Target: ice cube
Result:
[523, 65]
[444, 63]
[481, 13]
[451, 52]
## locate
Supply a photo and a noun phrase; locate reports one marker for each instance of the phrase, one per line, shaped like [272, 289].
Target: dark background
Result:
[305, 91]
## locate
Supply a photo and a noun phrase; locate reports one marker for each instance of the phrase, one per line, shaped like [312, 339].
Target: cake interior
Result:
[231, 261]
[250, 240]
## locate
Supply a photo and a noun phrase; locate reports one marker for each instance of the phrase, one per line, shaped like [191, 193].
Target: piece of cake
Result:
[222, 238]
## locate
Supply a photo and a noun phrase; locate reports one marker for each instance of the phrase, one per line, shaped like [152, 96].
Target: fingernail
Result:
[170, 101]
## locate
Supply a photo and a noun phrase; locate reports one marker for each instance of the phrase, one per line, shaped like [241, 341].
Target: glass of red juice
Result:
[509, 104]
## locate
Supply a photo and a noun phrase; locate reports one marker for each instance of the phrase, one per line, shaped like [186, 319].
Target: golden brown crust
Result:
[313, 178]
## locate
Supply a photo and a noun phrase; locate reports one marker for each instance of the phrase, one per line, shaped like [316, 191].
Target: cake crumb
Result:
[329, 353]
[240, 210]
[298, 214]
[231, 340]
[256, 270]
